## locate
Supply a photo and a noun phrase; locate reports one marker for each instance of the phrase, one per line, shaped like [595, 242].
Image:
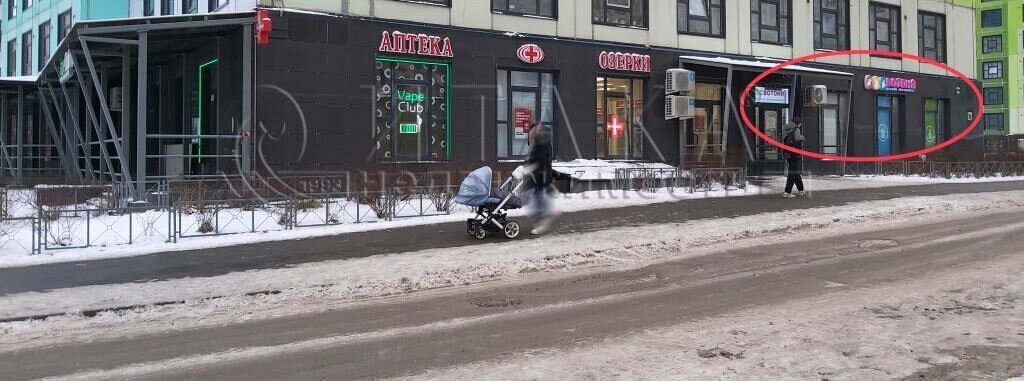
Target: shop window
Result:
[831, 123]
[701, 17]
[993, 96]
[993, 122]
[992, 44]
[147, 8]
[26, 53]
[540, 8]
[12, 58]
[770, 21]
[620, 118]
[936, 129]
[931, 36]
[63, 25]
[992, 70]
[411, 110]
[44, 44]
[992, 18]
[704, 131]
[523, 98]
[884, 30]
[831, 24]
[631, 13]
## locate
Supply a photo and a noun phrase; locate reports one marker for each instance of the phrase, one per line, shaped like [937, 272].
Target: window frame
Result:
[645, 4]
[27, 41]
[842, 35]
[12, 57]
[12, 9]
[784, 39]
[895, 34]
[186, 9]
[216, 5]
[43, 51]
[440, 3]
[25, 4]
[984, 70]
[997, 11]
[940, 36]
[148, 8]
[710, 20]
[64, 30]
[995, 115]
[992, 90]
[166, 7]
[984, 44]
[498, 10]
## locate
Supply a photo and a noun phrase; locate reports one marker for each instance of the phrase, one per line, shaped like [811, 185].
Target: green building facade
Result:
[1000, 25]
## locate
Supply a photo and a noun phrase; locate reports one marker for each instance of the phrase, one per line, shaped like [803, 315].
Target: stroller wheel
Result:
[511, 229]
[480, 233]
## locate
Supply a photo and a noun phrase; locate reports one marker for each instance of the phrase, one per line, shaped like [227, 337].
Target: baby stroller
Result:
[491, 203]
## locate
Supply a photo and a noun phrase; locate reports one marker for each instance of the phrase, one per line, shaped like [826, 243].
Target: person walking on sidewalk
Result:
[538, 176]
[793, 136]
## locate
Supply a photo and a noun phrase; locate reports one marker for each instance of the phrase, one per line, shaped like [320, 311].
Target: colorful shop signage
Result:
[530, 53]
[418, 44]
[877, 83]
[768, 95]
[625, 62]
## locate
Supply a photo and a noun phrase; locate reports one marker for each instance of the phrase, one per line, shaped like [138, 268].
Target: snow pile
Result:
[109, 234]
[582, 169]
[321, 286]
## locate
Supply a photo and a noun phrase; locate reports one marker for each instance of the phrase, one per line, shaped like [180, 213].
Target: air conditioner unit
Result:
[816, 95]
[679, 81]
[116, 98]
[678, 107]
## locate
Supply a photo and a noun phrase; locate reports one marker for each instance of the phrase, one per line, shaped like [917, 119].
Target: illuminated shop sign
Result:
[625, 62]
[530, 53]
[418, 44]
[876, 83]
[768, 95]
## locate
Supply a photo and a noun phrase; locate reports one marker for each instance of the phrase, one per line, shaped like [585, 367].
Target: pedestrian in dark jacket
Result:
[539, 177]
[793, 136]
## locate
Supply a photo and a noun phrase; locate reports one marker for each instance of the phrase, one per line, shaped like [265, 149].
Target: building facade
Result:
[1001, 71]
[31, 29]
[148, 8]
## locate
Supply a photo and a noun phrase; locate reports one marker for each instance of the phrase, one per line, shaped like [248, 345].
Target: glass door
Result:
[524, 113]
[770, 122]
[615, 125]
[884, 126]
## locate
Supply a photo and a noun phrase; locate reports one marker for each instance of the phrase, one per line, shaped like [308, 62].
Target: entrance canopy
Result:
[764, 63]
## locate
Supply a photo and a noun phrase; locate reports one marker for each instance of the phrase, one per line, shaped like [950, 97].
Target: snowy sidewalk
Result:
[279, 254]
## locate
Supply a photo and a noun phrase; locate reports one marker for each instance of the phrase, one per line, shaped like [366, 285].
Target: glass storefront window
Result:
[704, 131]
[620, 118]
[524, 97]
[411, 110]
[934, 121]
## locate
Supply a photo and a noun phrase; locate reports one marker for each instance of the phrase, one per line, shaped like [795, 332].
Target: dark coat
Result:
[798, 136]
[539, 158]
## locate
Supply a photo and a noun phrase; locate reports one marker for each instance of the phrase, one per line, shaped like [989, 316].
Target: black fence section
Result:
[693, 180]
[947, 170]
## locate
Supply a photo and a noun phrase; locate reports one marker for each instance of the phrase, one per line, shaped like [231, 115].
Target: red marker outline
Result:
[915, 154]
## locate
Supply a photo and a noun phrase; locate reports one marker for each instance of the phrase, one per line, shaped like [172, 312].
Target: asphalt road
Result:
[219, 261]
[402, 336]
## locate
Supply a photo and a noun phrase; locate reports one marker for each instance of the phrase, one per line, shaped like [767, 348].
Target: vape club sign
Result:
[625, 62]
[418, 44]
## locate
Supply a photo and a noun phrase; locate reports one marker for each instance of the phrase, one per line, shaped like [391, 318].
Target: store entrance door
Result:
[615, 126]
[884, 126]
[770, 121]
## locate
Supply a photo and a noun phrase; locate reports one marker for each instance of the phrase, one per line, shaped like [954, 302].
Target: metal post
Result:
[74, 126]
[725, 115]
[126, 176]
[247, 110]
[20, 139]
[141, 113]
[4, 133]
[70, 148]
[104, 155]
[126, 103]
[68, 165]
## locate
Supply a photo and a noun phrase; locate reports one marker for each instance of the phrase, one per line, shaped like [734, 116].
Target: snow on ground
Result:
[325, 285]
[888, 332]
[110, 236]
[830, 183]
[583, 169]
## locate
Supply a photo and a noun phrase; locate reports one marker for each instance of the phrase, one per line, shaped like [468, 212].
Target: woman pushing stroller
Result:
[538, 175]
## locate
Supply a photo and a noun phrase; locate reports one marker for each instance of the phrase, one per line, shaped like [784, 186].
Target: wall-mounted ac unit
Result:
[816, 95]
[678, 107]
[679, 81]
[116, 98]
